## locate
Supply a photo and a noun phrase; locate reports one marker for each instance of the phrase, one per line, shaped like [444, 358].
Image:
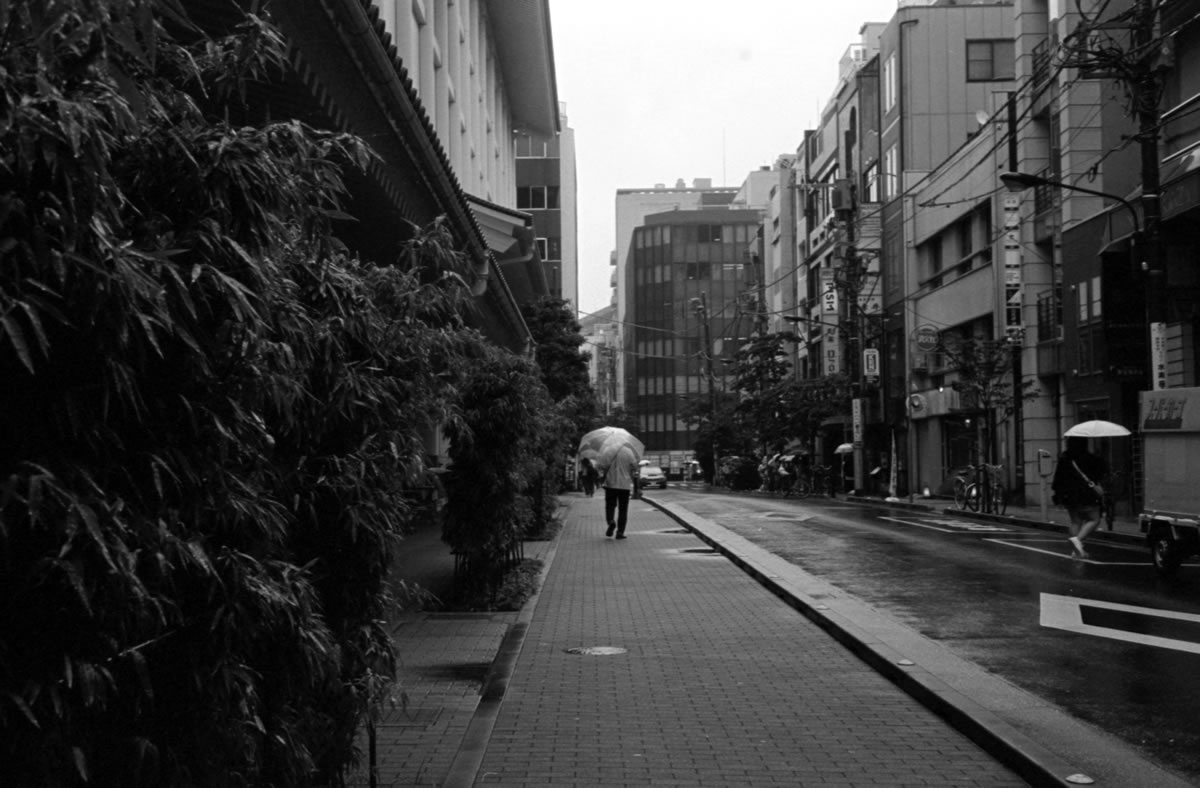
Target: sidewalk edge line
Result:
[999, 738]
[464, 769]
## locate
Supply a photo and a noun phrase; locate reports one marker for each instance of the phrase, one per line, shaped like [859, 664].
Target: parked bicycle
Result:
[984, 492]
[818, 481]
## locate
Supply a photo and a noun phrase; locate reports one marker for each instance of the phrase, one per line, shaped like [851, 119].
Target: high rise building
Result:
[546, 190]
[632, 207]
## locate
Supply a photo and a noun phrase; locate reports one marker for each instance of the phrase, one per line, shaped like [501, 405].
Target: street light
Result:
[1150, 264]
[1021, 181]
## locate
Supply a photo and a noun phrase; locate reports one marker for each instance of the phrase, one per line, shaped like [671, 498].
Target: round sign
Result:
[927, 338]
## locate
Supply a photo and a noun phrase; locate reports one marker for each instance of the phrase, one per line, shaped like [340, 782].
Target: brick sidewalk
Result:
[722, 683]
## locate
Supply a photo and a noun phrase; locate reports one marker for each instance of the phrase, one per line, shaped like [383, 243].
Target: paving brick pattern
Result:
[443, 660]
[721, 684]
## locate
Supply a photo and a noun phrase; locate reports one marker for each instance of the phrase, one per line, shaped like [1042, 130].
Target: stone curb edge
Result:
[464, 769]
[1029, 759]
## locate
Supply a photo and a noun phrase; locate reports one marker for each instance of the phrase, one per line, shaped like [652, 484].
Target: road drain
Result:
[700, 551]
[675, 531]
[595, 651]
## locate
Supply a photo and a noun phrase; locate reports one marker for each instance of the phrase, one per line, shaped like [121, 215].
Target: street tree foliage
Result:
[563, 365]
[807, 404]
[211, 420]
[505, 441]
[761, 371]
[984, 381]
[721, 431]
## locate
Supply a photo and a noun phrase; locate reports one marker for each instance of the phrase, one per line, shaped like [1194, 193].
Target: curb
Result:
[1000, 738]
[464, 769]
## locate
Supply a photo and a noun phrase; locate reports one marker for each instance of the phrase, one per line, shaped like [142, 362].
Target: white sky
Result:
[658, 90]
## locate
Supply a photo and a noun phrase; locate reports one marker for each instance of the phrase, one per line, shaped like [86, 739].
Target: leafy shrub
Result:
[210, 419]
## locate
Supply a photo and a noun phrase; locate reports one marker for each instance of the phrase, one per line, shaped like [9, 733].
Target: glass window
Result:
[891, 174]
[1083, 302]
[870, 185]
[990, 60]
[889, 82]
[1095, 297]
[531, 197]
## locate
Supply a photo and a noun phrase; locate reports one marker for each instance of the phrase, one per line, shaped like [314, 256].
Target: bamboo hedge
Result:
[211, 415]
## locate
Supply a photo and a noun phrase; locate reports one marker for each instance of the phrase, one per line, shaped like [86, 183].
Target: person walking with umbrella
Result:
[588, 476]
[1077, 487]
[617, 469]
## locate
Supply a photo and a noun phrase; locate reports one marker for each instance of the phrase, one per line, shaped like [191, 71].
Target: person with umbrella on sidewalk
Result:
[1077, 488]
[615, 453]
[617, 469]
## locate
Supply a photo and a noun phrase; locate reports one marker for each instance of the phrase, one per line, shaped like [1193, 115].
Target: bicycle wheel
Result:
[971, 497]
[999, 499]
[960, 493]
[802, 488]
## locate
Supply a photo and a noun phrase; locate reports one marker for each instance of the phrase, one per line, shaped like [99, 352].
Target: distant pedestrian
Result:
[618, 484]
[588, 476]
[1077, 488]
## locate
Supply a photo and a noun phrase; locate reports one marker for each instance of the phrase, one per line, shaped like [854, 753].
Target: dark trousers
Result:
[616, 501]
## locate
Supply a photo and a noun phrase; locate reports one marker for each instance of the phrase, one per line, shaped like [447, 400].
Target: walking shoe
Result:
[620, 536]
[1077, 546]
[610, 530]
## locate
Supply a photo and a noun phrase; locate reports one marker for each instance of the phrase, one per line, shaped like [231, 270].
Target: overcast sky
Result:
[658, 90]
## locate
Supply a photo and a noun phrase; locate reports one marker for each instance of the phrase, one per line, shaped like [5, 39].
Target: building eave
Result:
[525, 51]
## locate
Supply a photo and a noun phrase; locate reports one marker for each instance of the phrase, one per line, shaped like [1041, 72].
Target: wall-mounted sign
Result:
[870, 364]
[927, 338]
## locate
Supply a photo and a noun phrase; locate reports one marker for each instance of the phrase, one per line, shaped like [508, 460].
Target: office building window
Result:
[889, 82]
[535, 198]
[989, 61]
[891, 173]
[870, 183]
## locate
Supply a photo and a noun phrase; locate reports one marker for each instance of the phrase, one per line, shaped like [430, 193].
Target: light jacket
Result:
[619, 474]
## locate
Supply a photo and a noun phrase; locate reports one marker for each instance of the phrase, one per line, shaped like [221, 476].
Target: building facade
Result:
[547, 191]
[632, 207]
[685, 294]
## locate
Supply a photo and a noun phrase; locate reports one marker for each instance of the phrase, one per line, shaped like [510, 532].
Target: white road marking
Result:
[952, 526]
[1064, 553]
[1063, 612]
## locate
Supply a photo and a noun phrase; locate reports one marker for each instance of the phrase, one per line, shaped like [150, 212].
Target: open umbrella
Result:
[602, 444]
[1096, 429]
[845, 448]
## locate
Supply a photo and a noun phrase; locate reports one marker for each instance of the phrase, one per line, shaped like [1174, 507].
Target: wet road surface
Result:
[1105, 639]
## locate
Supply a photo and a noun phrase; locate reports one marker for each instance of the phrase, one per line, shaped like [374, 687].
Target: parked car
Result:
[651, 476]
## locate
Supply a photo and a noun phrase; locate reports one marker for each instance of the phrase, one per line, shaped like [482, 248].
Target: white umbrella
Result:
[1096, 429]
[602, 444]
[845, 448]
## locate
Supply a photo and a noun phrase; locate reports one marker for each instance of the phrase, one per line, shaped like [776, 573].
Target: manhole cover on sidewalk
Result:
[595, 651]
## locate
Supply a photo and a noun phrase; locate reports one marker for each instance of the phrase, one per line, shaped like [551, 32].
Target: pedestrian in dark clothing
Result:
[588, 476]
[1077, 487]
[618, 484]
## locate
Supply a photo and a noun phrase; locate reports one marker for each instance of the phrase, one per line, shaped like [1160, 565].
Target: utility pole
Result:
[852, 284]
[1145, 88]
[700, 305]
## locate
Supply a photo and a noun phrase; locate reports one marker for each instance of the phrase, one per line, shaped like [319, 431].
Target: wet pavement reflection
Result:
[979, 589]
